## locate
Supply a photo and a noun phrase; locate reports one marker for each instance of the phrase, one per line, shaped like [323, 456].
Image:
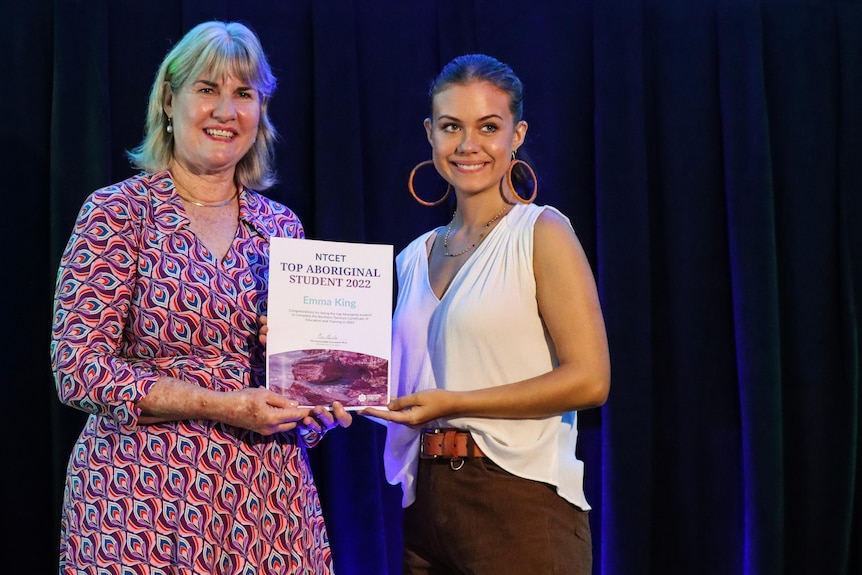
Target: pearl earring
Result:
[170, 127]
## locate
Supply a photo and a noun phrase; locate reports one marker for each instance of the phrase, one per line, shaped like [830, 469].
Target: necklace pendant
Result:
[481, 235]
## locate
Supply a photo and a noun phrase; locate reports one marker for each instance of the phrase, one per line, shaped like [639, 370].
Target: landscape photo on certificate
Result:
[321, 376]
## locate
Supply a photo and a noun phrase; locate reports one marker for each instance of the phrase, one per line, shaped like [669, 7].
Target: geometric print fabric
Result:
[138, 298]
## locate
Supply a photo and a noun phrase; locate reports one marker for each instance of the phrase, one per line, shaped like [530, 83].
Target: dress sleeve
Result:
[309, 438]
[95, 281]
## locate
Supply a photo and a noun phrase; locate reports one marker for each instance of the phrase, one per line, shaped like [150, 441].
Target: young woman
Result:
[498, 341]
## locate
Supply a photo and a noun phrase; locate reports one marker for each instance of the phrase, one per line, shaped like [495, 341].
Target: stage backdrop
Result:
[708, 152]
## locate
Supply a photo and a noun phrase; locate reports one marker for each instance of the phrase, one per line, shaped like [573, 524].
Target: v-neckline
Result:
[216, 259]
[433, 236]
[427, 262]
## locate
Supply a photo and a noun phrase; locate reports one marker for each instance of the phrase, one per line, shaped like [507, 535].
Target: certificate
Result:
[330, 322]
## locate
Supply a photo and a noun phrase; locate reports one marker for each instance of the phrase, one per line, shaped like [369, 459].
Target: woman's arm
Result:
[95, 280]
[569, 304]
[253, 408]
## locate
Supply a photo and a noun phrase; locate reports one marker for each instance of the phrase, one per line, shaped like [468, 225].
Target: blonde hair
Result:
[217, 48]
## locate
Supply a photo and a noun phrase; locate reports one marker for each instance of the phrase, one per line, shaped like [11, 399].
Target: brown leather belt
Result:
[448, 443]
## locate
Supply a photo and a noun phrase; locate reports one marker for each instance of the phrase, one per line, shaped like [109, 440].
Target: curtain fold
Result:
[625, 284]
[754, 282]
[849, 20]
[804, 95]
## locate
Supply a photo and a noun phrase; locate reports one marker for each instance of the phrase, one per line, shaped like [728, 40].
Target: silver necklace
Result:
[481, 236]
[206, 205]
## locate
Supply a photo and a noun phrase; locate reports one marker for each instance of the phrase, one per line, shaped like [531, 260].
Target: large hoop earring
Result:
[413, 192]
[512, 187]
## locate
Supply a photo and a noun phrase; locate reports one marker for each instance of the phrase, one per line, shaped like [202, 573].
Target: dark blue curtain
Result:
[708, 152]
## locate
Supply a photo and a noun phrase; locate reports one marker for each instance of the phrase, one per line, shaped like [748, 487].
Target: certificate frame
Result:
[329, 322]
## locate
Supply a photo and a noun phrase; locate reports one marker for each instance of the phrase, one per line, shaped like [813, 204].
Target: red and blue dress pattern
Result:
[139, 297]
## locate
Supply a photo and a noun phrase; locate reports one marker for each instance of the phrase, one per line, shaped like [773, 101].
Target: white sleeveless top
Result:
[485, 331]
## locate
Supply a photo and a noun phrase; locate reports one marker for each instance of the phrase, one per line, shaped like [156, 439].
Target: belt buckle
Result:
[455, 463]
[430, 431]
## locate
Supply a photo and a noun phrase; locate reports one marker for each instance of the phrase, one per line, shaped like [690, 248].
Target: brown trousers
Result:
[482, 520]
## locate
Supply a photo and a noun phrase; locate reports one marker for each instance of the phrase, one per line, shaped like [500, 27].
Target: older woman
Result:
[187, 463]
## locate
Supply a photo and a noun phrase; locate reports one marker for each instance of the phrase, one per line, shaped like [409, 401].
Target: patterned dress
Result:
[138, 298]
